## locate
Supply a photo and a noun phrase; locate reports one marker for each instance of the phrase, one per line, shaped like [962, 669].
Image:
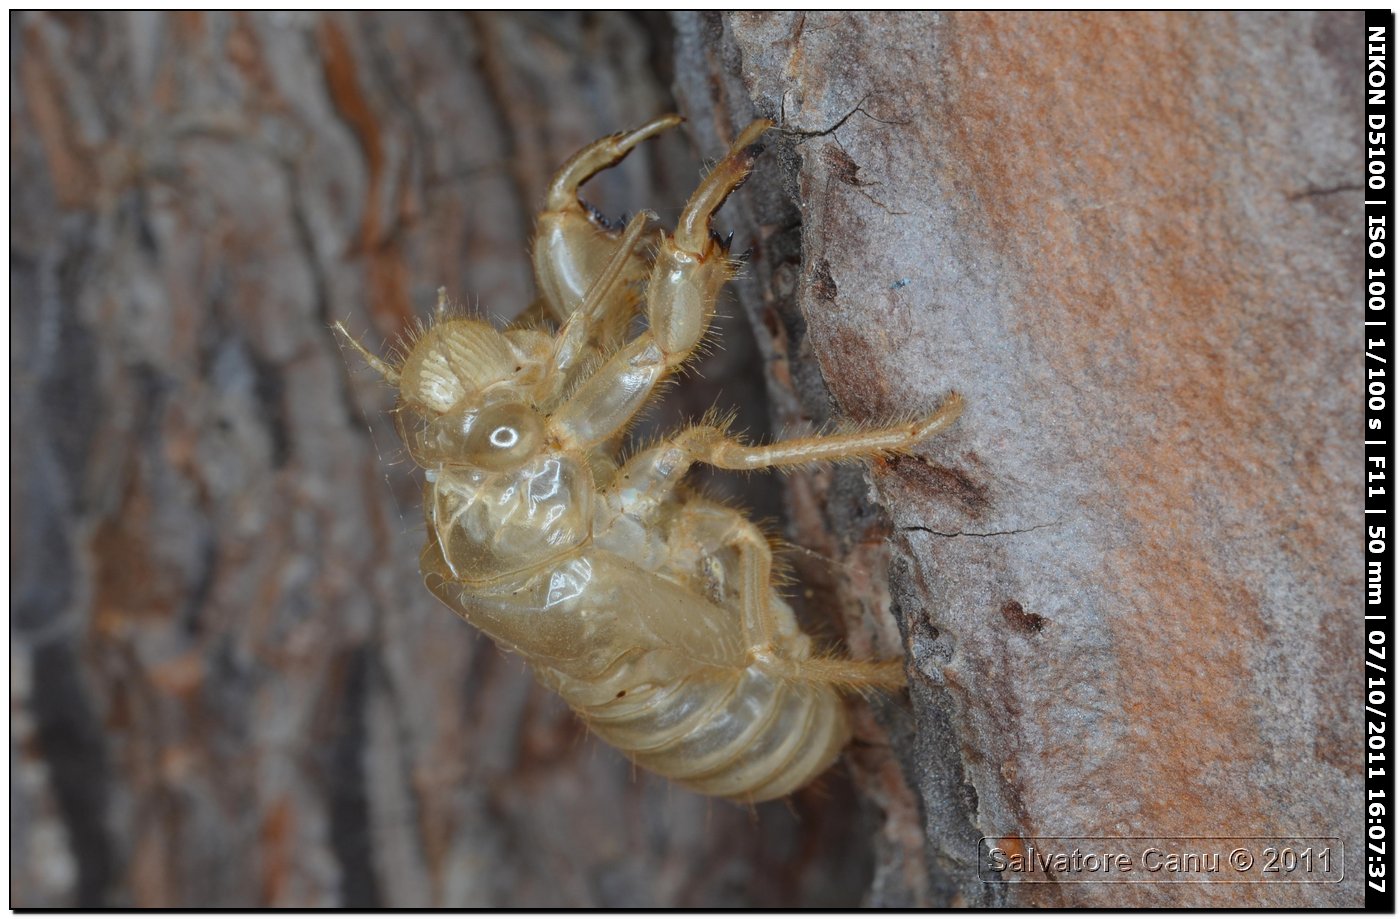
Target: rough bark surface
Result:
[1125, 580]
[230, 687]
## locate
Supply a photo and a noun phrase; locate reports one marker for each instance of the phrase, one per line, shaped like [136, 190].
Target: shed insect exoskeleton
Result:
[648, 608]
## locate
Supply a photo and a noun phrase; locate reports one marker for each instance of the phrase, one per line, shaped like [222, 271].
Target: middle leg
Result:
[647, 485]
[717, 447]
[652, 476]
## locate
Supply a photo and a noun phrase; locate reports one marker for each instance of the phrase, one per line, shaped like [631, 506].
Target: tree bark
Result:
[1124, 580]
[230, 686]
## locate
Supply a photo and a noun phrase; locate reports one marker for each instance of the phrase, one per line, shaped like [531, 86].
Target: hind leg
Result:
[733, 564]
[645, 490]
[765, 625]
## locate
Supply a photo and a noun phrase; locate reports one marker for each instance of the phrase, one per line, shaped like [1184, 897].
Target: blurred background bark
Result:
[1120, 581]
[230, 685]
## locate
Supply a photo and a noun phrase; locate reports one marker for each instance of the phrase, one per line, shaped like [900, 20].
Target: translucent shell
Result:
[650, 610]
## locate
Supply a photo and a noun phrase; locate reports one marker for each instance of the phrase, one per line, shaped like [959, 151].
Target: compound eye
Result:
[503, 437]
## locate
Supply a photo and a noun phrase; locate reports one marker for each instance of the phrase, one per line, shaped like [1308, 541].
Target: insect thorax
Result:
[490, 525]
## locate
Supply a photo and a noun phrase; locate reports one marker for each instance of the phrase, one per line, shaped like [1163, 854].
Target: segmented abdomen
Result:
[738, 733]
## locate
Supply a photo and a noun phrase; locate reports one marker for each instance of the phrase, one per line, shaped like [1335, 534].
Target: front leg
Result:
[579, 336]
[571, 243]
[689, 270]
